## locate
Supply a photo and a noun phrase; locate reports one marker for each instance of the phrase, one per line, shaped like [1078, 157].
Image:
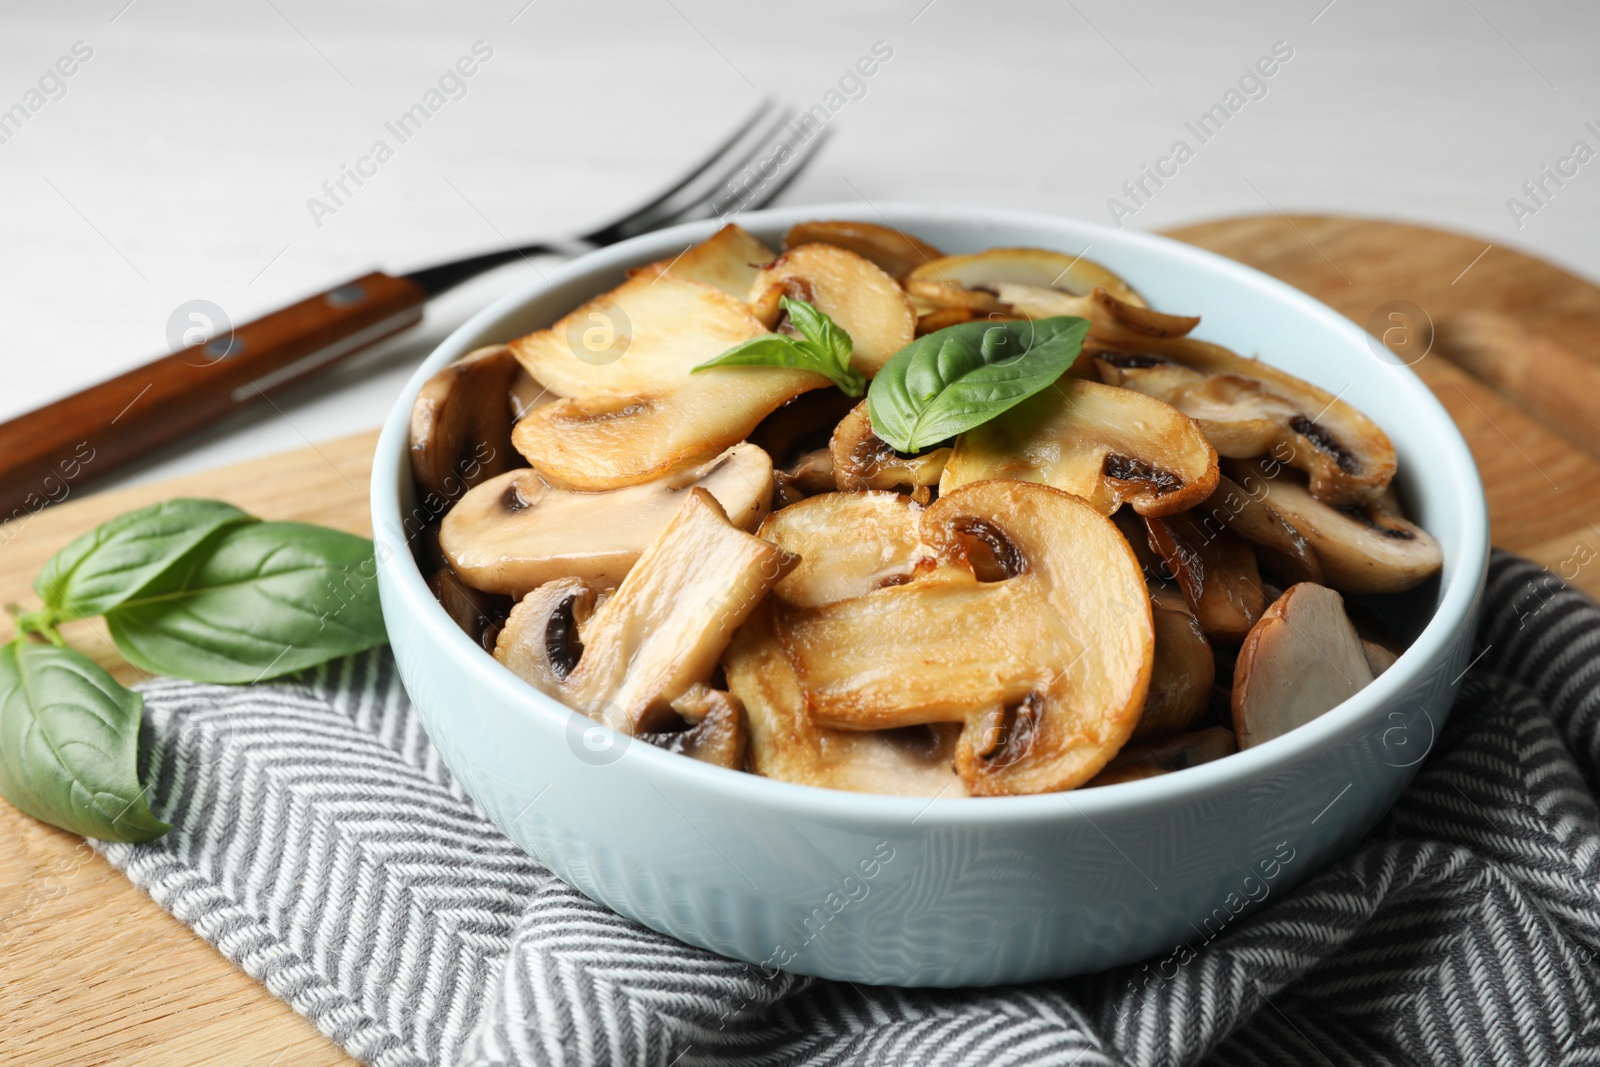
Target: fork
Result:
[48, 451]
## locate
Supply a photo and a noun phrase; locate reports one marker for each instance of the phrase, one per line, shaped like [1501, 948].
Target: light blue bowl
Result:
[951, 892]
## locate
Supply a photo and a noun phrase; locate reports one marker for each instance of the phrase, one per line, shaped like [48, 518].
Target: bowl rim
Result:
[1463, 574]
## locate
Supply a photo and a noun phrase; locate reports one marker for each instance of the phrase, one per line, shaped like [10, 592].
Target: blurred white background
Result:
[178, 163]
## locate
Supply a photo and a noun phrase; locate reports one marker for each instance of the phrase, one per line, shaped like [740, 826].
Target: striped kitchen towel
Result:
[319, 842]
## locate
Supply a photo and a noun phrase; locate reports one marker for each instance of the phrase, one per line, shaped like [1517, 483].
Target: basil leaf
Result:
[963, 376]
[118, 558]
[823, 347]
[264, 600]
[69, 742]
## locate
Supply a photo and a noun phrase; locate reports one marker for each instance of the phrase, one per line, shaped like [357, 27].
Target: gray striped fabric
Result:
[319, 843]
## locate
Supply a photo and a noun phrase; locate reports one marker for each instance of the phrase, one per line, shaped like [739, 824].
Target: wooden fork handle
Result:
[47, 453]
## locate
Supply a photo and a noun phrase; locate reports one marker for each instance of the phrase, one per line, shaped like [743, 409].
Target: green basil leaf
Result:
[963, 376]
[264, 600]
[832, 345]
[823, 348]
[118, 558]
[69, 744]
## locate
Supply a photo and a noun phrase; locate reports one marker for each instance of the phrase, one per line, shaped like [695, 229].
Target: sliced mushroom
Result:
[1362, 549]
[515, 533]
[867, 303]
[971, 280]
[1245, 511]
[1011, 659]
[848, 543]
[1184, 668]
[460, 426]
[717, 733]
[937, 319]
[1216, 571]
[1302, 659]
[527, 393]
[658, 635]
[1149, 759]
[786, 744]
[480, 615]
[633, 410]
[895, 253]
[1248, 408]
[728, 260]
[812, 473]
[1108, 446]
[863, 460]
[1380, 657]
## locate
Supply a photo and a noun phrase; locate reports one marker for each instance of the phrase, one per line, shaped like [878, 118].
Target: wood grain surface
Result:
[92, 972]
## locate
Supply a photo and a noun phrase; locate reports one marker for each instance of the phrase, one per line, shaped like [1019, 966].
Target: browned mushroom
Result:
[634, 412]
[1010, 660]
[863, 460]
[461, 427]
[1108, 446]
[1362, 549]
[973, 281]
[480, 615]
[864, 301]
[514, 533]
[728, 260]
[1181, 677]
[894, 252]
[1216, 571]
[1302, 659]
[717, 733]
[1280, 546]
[1148, 759]
[1248, 408]
[848, 544]
[658, 635]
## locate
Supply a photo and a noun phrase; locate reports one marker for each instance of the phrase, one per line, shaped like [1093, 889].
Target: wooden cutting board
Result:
[92, 972]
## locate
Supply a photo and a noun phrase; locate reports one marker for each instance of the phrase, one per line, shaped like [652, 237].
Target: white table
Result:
[179, 161]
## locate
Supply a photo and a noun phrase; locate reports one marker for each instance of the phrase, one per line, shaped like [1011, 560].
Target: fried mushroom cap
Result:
[461, 424]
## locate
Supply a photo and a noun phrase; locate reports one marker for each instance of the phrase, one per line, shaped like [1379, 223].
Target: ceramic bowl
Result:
[950, 892]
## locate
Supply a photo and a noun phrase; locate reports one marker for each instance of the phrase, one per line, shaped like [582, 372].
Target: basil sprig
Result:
[962, 376]
[196, 589]
[823, 347]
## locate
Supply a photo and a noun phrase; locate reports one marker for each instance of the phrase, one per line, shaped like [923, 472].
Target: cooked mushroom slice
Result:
[1302, 659]
[1109, 446]
[787, 745]
[634, 412]
[865, 302]
[515, 533]
[460, 426]
[812, 473]
[717, 732]
[1180, 680]
[848, 543]
[1244, 510]
[1151, 758]
[659, 634]
[1216, 571]
[895, 253]
[1011, 659]
[937, 319]
[1248, 408]
[728, 260]
[1380, 657]
[971, 281]
[1365, 549]
[863, 460]
[480, 615]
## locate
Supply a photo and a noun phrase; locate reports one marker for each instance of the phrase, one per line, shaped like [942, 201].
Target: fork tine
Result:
[709, 185]
[774, 188]
[618, 228]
